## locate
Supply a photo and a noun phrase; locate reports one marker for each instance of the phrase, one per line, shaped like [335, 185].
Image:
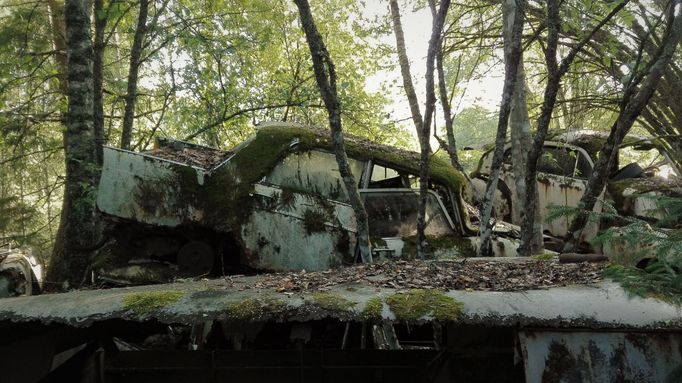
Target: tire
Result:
[196, 258]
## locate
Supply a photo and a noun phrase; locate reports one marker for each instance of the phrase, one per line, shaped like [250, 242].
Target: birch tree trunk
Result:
[325, 75]
[512, 57]
[78, 230]
[429, 109]
[133, 71]
[519, 123]
[422, 125]
[451, 144]
[405, 68]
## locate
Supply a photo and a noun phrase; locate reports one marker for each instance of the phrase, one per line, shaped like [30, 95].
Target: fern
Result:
[662, 278]
[653, 281]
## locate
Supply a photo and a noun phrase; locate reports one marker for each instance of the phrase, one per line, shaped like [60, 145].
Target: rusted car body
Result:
[20, 272]
[564, 168]
[254, 328]
[275, 202]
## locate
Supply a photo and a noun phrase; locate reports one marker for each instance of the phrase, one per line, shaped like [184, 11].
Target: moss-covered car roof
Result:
[273, 142]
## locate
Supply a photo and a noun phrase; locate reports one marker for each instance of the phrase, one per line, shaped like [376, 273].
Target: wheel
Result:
[196, 258]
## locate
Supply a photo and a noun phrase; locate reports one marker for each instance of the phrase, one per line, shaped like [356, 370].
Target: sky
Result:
[417, 28]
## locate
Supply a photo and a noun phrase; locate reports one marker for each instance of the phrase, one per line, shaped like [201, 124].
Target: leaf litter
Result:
[478, 275]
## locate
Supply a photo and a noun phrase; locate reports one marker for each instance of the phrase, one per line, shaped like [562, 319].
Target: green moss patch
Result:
[332, 302]
[461, 245]
[254, 308]
[145, 303]
[544, 257]
[413, 305]
[372, 310]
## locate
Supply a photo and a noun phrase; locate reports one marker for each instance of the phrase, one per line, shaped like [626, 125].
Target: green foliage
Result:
[637, 240]
[657, 281]
[314, 221]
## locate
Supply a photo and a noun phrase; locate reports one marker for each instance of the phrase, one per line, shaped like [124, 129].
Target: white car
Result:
[642, 171]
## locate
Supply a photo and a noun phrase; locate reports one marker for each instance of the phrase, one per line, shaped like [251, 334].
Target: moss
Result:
[314, 221]
[372, 310]
[254, 308]
[246, 309]
[461, 245]
[145, 303]
[332, 302]
[544, 257]
[413, 305]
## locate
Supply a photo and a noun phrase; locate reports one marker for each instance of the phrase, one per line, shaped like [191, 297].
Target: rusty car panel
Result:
[551, 356]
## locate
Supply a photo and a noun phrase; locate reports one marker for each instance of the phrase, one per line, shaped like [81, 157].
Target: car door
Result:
[302, 219]
[563, 171]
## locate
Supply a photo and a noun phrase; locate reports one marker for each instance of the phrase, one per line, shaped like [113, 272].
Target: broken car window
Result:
[563, 161]
[394, 214]
[385, 178]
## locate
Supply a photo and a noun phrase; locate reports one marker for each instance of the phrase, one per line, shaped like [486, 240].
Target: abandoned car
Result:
[20, 272]
[475, 320]
[565, 167]
[275, 202]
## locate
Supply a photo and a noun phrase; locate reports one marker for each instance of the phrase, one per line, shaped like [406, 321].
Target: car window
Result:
[394, 214]
[652, 161]
[386, 178]
[564, 162]
[313, 172]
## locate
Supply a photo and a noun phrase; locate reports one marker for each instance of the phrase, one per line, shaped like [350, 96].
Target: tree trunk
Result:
[451, 144]
[512, 56]
[101, 18]
[78, 229]
[634, 101]
[405, 68]
[555, 72]
[133, 70]
[422, 125]
[429, 109]
[56, 12]
[519, 123]
[325, 75]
